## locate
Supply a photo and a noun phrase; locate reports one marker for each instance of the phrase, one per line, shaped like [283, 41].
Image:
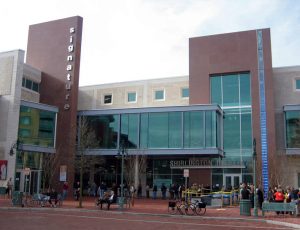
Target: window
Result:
[292, 123]
[35, 86]
[159, 95]
[25, 120]
[297, 84]
[185, 92]
[28, 84]
[131, 97]
[108, 99]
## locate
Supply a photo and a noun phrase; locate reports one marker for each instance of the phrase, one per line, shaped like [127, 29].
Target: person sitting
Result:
[53, 197]
[108, 199]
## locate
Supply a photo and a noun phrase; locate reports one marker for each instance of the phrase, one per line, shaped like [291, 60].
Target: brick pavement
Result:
[159, 207]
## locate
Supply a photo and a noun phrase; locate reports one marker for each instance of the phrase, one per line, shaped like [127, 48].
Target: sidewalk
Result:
[160, 207]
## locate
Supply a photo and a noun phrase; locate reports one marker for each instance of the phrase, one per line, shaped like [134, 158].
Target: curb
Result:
[285, 224]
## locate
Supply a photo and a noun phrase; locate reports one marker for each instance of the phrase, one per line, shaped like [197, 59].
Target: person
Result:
[139, 192]
[154, 191]
[132, 192]
[279, 197]
[147, 191]
[93, 189]
[163, 191]
[9, 188]
[53, 197]
[108, 199]
[245, 193]
[65, 190]
[77, 190]
[260, 197]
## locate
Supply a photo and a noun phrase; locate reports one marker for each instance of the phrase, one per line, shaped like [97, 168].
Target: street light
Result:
[122, 152]
[255, 212]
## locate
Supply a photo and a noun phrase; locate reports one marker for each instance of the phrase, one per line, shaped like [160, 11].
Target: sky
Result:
[128, 40]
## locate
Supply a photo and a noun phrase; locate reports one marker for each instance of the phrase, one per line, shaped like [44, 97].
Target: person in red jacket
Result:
[279, 197]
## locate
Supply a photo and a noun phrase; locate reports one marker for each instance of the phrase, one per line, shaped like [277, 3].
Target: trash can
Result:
[17, 198]
[226, 199]
[245, 207]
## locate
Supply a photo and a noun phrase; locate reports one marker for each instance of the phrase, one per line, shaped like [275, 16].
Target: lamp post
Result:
[255, 212]
[122, 151]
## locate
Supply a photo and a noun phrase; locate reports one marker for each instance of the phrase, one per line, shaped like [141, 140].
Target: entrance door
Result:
[232, 181]
[28, 183]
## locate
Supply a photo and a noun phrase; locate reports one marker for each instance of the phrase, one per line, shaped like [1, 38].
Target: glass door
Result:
[232, 181]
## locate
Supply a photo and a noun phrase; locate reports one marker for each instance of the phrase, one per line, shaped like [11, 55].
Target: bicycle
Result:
[174, 207]
[199, 207]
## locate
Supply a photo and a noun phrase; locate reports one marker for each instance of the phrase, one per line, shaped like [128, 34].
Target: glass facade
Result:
[37, 127]
[292, 123]
[233, 93]
[158, 130]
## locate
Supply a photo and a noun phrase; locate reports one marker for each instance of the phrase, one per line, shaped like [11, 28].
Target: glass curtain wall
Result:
[233, 93]
[157, 130]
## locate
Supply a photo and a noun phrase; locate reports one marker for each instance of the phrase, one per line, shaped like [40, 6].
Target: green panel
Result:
[292, 129]
[230, 90]
[245, 88]
[232, 129]
[144, 130]
[175, 130]
[216, 90]
[158, 130]
[246, 128]
[210, 129]
[193, 129]
[133, 130]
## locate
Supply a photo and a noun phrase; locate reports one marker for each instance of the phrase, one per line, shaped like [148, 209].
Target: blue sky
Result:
[125, 40]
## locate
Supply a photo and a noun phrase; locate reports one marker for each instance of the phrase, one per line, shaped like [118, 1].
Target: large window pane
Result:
[129, 130]
[106, 130]
[144, 130]
[193, 129]
[158, 130]
[246, 128]
[216, 90]
[210, 129]
[245, 89]
[230, 90]
[292, 129]
[37, 127]
[175, 130]
[232, 129]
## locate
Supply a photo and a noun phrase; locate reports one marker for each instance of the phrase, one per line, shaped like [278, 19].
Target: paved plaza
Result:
[145, 214]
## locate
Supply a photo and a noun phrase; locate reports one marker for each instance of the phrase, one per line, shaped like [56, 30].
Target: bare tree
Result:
[279, 172]
[86, 140]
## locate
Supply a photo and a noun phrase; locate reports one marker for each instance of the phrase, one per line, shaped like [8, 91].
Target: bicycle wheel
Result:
[200, 211]
[189, 209]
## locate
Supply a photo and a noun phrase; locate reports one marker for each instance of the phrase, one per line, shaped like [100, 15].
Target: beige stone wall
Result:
[92, 97]
[28, 95]
[285, 93]
[6, 72]
[10, 105]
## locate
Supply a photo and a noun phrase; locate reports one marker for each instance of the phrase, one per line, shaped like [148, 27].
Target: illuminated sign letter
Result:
[71, 48]
[68, 86]
[71, 39]
[67, 96]
[69, 77]
[69, 67]
[72, 30]
[67, 106]
[70, 58]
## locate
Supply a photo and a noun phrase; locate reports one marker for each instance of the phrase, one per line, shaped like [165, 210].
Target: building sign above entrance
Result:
[204, 163]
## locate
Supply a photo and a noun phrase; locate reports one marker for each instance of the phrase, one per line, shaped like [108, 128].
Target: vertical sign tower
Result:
[54, 48]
